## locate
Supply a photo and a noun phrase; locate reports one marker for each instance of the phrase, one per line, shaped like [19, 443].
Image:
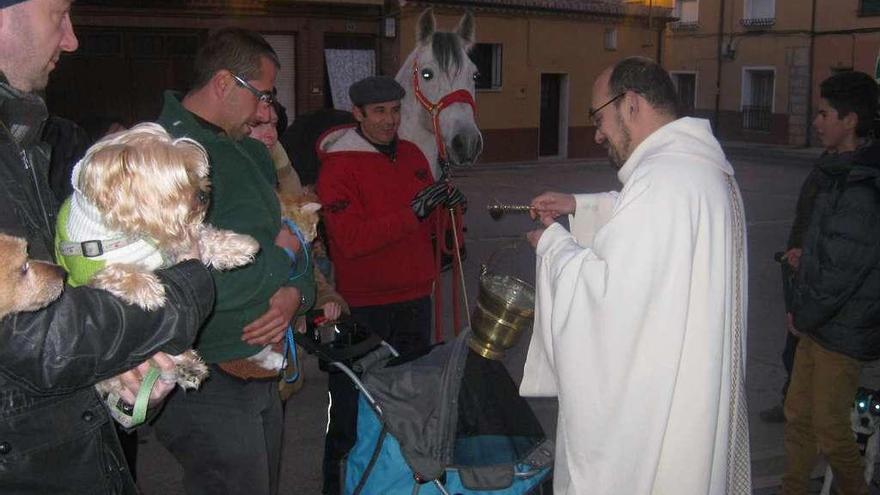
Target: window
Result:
[487, 58]
[869, 7]
[687, 11]
[757, 98]
[686, 88]
[284, 46]
[348, 58]
[611, 39]
[150, 45]
[100, 44]
[759, 13]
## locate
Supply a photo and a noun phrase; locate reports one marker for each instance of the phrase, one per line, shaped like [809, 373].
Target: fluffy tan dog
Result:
[26, 285]
[139, 203]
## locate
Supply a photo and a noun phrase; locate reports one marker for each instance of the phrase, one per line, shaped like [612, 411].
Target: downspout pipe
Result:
[812, 64]
[659, 41]
[716, 120]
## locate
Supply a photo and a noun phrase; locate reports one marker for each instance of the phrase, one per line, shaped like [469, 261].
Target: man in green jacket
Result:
[228, 434]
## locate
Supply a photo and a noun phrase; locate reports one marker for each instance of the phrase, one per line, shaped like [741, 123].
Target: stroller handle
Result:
[381, 354]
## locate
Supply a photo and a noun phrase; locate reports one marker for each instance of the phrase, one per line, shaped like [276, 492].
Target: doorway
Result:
[553, 133]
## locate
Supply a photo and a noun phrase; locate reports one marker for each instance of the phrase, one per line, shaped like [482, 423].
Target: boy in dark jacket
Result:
[836, 303]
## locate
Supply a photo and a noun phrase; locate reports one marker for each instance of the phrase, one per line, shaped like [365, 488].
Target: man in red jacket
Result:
[378, 195]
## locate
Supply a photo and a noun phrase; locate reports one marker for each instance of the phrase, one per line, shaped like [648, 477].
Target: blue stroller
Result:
[448, 422]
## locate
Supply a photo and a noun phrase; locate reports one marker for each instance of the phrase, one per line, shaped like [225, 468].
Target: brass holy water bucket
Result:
[505, 308]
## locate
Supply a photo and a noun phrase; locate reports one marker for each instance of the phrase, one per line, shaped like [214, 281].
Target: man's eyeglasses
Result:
[595, 112]
[264, 96]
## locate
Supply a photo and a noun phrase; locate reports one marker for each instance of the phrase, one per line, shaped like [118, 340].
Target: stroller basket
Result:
[447, 422]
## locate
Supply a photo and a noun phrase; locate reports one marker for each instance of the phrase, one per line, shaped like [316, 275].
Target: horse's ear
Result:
[427, 24]
[467, 29]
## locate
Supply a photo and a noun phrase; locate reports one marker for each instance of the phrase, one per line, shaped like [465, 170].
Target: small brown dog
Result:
[26, 285]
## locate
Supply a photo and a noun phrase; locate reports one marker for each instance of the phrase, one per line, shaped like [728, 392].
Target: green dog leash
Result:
[143, 397]
[130, 416]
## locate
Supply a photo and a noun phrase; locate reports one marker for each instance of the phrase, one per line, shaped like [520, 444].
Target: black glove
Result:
[456, 197]
[424, 202]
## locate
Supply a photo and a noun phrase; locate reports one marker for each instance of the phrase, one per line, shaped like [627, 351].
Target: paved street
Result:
[770, 179]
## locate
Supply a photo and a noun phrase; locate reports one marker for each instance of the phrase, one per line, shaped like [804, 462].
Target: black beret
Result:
[375, 89]
[9, 3]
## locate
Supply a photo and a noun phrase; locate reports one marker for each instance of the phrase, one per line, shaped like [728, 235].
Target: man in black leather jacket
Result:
[55, 433]
[836, 295]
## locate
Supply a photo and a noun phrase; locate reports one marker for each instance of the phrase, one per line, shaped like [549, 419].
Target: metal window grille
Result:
[685, 86]
[869, 7]
[757, 118]
[758, 112]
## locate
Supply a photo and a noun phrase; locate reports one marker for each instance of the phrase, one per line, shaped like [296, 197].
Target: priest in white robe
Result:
[640, 324]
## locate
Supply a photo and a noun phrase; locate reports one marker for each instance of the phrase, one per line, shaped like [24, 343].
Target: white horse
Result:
[439, 80]
[438, 109]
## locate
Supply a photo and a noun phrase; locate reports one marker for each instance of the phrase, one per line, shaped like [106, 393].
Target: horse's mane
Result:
[448, 50]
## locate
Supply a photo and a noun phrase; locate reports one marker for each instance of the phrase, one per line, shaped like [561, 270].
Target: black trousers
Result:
[226, 435]
[406, 326]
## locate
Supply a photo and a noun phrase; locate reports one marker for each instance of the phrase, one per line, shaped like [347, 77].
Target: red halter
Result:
[458, 96]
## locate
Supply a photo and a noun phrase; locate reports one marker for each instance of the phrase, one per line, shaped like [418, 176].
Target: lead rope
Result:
[451, 218]
[739, 476]
[455, 214]
[289, 343]
[455, 220]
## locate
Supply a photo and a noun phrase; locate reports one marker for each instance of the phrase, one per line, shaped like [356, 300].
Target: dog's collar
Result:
[95, 248]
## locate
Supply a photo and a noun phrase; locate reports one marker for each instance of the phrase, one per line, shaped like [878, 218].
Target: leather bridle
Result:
[458, 96]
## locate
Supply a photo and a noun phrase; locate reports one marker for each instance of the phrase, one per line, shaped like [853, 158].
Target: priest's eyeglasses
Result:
[594, 113]
[265, 97]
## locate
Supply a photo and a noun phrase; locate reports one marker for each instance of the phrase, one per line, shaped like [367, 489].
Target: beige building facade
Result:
[538, 58]
[543, 62]
[754, 66]
[132, 50]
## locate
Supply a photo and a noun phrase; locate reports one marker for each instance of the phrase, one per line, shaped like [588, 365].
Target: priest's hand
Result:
[793, 257]
[534, 237]
[550, 205]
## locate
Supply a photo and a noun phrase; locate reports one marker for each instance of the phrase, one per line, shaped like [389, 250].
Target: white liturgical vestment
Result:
[640, 327]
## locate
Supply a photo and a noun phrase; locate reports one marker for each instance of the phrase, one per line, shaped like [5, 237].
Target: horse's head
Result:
[439, 107]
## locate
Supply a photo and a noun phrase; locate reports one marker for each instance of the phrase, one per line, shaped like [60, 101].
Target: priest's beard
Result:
[620, 151]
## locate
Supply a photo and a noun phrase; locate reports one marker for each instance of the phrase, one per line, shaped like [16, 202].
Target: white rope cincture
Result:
[739, 475]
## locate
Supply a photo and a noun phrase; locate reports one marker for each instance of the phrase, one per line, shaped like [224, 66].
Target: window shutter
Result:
[285, 46]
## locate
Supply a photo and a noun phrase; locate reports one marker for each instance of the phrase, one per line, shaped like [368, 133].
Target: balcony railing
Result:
[684, 25]
[757, 118]
[757, 22]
